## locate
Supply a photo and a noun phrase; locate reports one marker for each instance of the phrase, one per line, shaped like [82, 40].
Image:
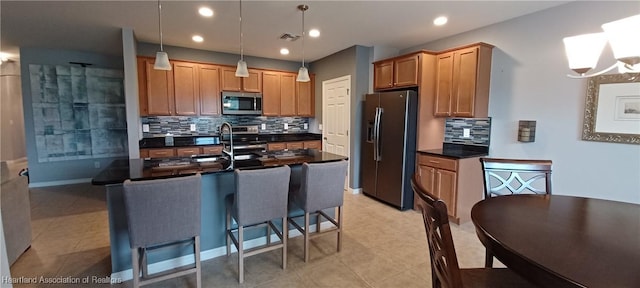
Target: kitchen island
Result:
[217, 182]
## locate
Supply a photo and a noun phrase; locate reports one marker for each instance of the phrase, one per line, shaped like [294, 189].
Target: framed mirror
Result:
[612, 109]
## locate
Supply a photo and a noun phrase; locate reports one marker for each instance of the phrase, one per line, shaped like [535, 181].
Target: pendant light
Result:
[162, 59]
[303, 72]
[241, 70]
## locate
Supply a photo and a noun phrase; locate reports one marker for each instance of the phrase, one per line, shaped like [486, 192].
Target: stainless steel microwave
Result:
[238, 103]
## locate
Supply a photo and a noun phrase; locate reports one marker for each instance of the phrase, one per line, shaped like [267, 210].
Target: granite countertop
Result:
[458, 151]
[207, 140]
[145, 169]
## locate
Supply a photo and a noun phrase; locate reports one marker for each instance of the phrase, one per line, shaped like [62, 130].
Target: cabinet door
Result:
[229, 80]
[383, 75]
[295, 145]
[188, 151]
[142, 87]
[444, 84]
[209, 77]
[271, 93]
[287, 94]
[253, 83]
[159, 87]
[305, 98]
[276, 146]
[215, 150]
[406, 71]
[144, 153]
[316, 144]
[446, 187]
[161, 153]
[464, 82]
[186, 90]
[427, 178]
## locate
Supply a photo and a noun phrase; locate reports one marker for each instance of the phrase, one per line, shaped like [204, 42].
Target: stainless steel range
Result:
[244, 145]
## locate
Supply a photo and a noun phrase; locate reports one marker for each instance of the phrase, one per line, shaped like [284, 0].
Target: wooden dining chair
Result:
[445, 272]
[514, 176]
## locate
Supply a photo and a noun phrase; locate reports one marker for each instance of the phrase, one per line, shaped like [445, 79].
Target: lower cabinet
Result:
[458, 182]
[296, 145]
[179, 151]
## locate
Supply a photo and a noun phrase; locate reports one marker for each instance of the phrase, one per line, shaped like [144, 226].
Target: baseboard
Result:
[165, 265]
[355, 190]
[58, 183]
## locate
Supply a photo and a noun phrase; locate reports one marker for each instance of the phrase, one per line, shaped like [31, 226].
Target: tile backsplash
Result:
[479, 131]
[180, 125]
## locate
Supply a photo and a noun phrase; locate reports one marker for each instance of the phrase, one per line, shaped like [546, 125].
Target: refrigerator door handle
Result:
[378, 139]
[375, 134]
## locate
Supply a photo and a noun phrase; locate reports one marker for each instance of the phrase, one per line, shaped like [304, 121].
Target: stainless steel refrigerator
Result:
[389, 147]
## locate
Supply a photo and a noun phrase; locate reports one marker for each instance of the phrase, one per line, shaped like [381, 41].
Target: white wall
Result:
[528, 82]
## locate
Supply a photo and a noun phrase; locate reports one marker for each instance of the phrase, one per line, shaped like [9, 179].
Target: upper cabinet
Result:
[209, 77]
[306, 98]
[283, 96]
[230, 82]
[397, 72]
[186, 88]
[155, 89]
[463, 78]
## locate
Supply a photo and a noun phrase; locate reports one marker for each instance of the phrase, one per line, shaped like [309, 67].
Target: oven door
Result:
[241, 103]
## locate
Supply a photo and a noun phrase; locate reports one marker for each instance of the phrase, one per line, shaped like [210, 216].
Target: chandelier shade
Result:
[162, 58]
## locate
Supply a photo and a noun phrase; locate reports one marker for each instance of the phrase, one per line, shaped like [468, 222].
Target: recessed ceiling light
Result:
[284, 51]
[205, 11]
[314, 32]
[197, 38]
[440, 21]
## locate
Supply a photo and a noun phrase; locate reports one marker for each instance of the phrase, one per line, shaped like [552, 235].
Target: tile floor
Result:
[383, 247]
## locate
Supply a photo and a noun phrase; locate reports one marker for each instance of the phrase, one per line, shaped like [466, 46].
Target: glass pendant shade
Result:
[241, 69]
[584, 50]
[303, 75]
[162, 61]
[624, 38]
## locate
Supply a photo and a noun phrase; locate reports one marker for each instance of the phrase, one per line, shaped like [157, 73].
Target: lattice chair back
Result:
[445, 271]
[515, 176]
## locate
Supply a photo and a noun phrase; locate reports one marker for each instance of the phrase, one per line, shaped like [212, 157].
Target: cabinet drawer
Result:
[313, 144]
[276, 146]
[160, 153]
[295, 145]
[187, 151]
[216, 150]
[438, 162]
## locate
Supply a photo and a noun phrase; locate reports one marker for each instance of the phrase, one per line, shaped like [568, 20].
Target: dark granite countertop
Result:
[207, 140]
[458, 151]
[144, 169]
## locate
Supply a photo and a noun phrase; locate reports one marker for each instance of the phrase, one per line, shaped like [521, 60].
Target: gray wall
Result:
[355, 62]
[528, 82]
[60, 171]
[12, 120]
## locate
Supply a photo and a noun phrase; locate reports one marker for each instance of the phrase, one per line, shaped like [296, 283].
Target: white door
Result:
[336, 116]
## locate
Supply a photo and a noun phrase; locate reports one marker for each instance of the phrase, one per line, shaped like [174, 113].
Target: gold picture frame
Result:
[612, 109]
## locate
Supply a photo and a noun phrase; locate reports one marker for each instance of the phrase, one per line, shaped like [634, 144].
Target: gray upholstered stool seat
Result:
[161, 213]
[319, 187]
[261, 196]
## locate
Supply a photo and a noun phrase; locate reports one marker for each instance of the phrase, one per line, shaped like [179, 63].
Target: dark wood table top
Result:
[563, 241]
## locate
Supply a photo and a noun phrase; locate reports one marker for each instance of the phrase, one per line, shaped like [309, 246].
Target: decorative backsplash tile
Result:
[180, 125]
[479, 131]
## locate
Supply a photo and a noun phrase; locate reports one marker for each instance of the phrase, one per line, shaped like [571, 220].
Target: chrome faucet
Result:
[230, 147]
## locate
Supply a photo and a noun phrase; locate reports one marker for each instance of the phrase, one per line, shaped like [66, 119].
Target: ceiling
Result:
[96, 25]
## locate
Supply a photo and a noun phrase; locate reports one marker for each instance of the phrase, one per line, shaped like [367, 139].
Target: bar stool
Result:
[321, 186]
[162, 213]
[261, 196]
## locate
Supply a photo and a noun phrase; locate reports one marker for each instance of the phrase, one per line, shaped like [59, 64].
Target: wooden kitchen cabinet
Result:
[306, 98]
[186, 88]
[463, 78]
[458, 182]
[230, 82]
[212, 150]
[188, 151]
[276, 146]
[271, 93]
[288, 101]
[155, 89]
[314, 144]
[209, 85]
[161, 152]
[402, 71]
[295, 145]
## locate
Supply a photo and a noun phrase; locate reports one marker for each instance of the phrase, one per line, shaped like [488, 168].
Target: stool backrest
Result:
[516, 176]
[162, 210]
[261, 194]
[322, 185]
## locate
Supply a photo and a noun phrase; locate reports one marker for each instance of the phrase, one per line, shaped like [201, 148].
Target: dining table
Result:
[563, 241]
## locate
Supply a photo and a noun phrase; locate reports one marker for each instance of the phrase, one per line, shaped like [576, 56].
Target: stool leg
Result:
[240, 254]
[488, 259]
[227, 226]
[268, 233]
[135, 263]
[339, 228]
[285, 236]
[306, 237]
[318, 222]
[196, 248]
